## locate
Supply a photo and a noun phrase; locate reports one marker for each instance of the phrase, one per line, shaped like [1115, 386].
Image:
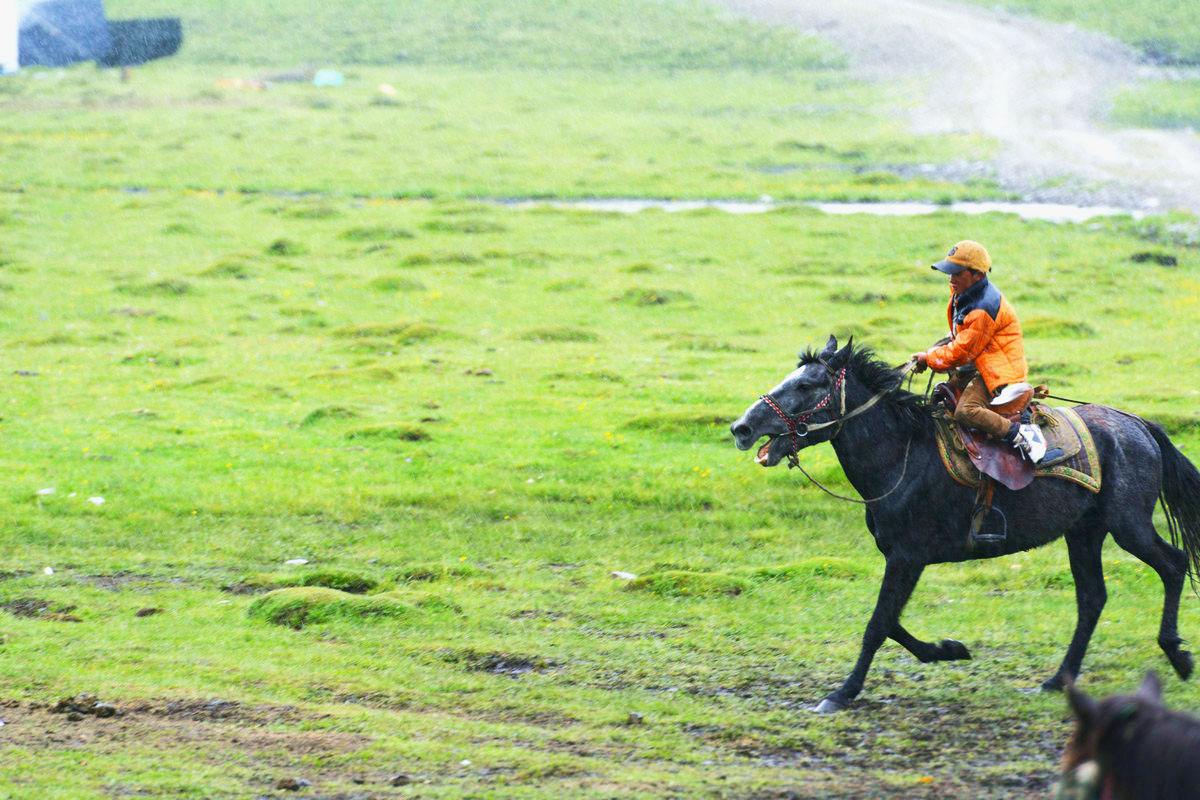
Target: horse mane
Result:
[880, 378]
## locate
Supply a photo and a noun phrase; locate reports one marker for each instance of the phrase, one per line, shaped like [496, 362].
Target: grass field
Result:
[619, 35]
[1164, 31]
[1159, 104]
[456, 132]
[468, 417]
[635, 98]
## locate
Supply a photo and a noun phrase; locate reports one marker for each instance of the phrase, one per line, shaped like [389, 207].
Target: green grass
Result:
[296, 607]
[1164, 31]
[242, 328]
[456, 132]
[1159, 104]
[549, 461]
[668, 98]
[575, 34]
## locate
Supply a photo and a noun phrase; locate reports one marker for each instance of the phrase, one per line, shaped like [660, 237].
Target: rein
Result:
[797, 426]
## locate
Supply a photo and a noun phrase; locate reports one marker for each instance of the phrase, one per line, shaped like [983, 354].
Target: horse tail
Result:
[1180, 498]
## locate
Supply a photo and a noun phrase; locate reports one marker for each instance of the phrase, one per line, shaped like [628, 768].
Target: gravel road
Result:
[1040, 89]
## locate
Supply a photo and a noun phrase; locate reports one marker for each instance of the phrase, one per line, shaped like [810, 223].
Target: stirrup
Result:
[988, 526]
[984, 529]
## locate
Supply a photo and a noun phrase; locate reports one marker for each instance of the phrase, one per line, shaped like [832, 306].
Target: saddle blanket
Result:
[1063, 429]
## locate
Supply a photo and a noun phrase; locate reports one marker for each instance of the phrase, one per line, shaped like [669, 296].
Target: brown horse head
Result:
[1143, 749]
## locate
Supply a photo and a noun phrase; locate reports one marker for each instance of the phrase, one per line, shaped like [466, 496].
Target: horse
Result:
[1131, 747]
[884, 438]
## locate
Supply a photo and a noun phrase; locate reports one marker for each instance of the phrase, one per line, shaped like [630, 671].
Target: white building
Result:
[10, 36]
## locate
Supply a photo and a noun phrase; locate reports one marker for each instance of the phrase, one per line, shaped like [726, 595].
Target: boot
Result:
[1028, 439]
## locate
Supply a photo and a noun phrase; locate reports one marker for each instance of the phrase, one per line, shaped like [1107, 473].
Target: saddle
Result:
[974, 460]
[995, 459]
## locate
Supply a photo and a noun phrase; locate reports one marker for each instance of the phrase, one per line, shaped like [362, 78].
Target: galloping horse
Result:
[884, 439]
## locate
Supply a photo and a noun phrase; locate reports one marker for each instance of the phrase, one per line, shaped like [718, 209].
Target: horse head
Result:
[1098, 723]
[808, 395]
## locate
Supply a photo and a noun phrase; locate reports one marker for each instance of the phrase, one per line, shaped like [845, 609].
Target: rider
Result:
[984, 331]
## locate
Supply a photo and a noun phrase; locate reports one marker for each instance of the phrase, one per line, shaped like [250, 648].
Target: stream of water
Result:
[1049, 212]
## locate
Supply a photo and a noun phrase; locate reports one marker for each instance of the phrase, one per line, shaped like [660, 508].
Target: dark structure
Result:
[62, 32]
[57, 33]
[136, 41]
[918, 515]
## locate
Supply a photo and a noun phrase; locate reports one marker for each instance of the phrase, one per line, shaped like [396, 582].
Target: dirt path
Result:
[1038, 88]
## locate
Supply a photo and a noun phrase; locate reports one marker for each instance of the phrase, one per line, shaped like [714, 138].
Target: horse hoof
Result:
[1053, 684]
[1181, 660]
[953, 650]
[829, 706]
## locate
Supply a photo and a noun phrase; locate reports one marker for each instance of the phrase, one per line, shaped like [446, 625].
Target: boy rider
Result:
[985, 332]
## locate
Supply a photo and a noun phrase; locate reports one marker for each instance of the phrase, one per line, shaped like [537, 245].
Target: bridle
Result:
[798, 426]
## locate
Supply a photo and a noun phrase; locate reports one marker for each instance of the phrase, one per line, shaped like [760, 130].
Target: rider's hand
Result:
[922, 362]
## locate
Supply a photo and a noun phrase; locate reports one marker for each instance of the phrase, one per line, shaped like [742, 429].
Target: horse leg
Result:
[1141, 540]
[1084, 547]
[899, 580]
[945, 650]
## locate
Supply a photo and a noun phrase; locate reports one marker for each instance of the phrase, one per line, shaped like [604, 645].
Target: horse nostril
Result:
[740, 430]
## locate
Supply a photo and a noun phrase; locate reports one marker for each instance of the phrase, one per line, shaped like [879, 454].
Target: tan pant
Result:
[976, 411]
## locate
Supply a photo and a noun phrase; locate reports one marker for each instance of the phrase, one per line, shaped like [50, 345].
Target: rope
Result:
[795, 462]
[1069, 400]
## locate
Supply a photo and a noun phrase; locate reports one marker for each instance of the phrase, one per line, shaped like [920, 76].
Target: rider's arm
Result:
[973, 336]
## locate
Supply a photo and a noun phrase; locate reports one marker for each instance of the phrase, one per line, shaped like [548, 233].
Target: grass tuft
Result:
[286, 247]
[164, 288]
[349, 582]
[391, 284]
[358, 374]
[1057, 328]
[557, 334]
[706, 344]
[815, 567]
[463, 226]
[227, 269]
[296, 607]
[404, 433]
[430, 259]
[405, 331]
[436, 572]
[312, 211]
[651, 297]
[682, 583]
[376, 233]
[327, 413]
[1161, 259]
[678, 422]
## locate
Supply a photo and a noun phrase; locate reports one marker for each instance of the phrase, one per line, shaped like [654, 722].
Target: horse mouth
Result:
[764, 453]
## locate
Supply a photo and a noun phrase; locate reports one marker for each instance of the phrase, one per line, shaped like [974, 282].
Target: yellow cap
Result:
[965, 255]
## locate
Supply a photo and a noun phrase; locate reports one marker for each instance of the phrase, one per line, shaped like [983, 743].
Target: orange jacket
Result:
[986, 332]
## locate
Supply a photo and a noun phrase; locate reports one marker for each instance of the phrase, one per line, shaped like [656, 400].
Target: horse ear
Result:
[830, 348]
[842, 357]
[1084, 707]
[1151, 688]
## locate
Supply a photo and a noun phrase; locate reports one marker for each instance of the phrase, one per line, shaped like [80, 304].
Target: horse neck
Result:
[872, 447]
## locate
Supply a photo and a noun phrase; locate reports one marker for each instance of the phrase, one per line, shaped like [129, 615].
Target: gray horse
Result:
[884, 439]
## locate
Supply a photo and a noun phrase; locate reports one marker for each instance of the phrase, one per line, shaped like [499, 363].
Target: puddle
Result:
[1048, 212]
